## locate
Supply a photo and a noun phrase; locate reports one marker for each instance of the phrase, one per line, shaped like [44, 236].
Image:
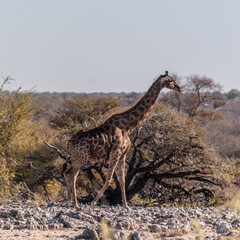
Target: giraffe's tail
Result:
[65, 166]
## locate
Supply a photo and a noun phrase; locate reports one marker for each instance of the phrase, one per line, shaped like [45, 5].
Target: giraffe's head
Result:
[168, 82]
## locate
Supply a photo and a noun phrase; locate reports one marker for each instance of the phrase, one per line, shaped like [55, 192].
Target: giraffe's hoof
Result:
[93, 204]
[127, 208]
[76, 207]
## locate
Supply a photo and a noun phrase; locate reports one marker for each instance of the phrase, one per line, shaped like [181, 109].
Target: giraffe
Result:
[110, 141]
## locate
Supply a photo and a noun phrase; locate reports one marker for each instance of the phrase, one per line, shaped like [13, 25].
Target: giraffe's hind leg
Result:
[121, 179]
[70, 176]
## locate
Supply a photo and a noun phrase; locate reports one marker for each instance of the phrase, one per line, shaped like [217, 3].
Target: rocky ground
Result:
[63, 222]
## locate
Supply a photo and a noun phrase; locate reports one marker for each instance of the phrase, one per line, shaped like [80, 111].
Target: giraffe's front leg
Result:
[112, 166]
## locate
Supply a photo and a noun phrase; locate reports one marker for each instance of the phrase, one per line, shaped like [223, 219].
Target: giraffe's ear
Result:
[166, 73]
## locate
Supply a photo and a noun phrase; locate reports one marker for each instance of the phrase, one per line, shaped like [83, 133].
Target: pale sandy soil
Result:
[39, 234]
[70, 234]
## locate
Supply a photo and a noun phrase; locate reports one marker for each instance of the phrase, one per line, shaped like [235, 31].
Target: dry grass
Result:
[232, 203]
[107, 231]
[197, 229]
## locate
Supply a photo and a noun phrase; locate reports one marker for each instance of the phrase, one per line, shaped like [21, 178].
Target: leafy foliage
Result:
[76, 111]
[171, 158]
[15, 113]
[232, 94]
[5, 181]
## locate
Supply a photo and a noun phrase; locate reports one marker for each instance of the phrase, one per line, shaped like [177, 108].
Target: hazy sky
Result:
[110, 45]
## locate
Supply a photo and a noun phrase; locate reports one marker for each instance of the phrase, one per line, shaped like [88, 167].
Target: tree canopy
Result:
[75, 112]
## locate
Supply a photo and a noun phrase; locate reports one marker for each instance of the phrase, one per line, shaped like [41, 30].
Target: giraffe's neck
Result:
[131, 118]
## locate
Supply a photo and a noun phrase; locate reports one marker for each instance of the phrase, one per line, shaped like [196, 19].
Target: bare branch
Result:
[32, 193]
[58, 151]
[91, 118]
[85, 199]
[43, 171]
[152, 166]
[86, 126]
